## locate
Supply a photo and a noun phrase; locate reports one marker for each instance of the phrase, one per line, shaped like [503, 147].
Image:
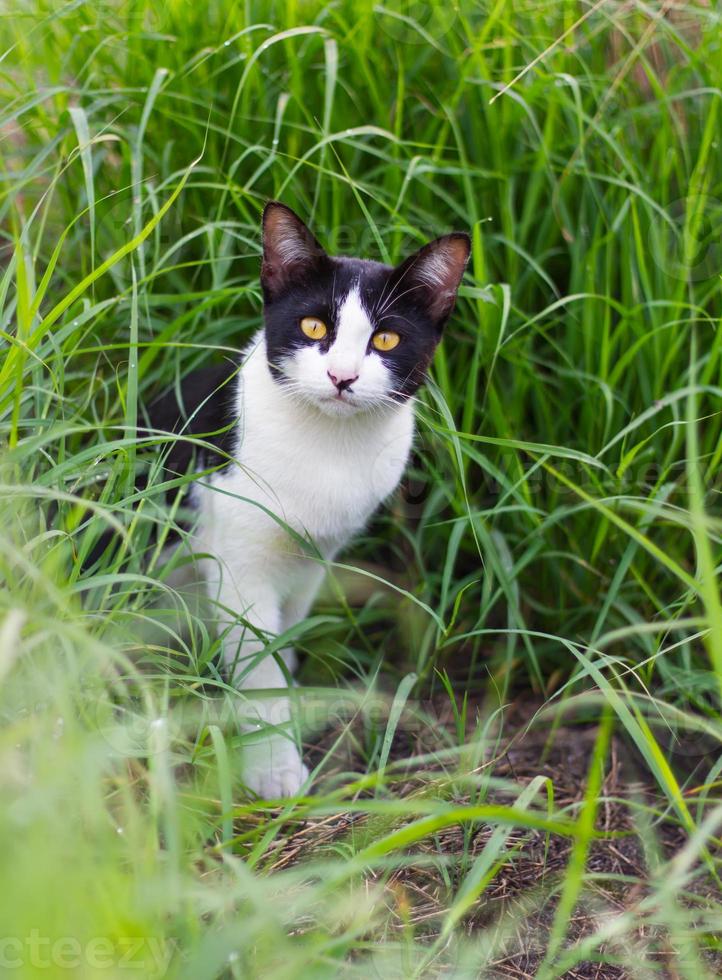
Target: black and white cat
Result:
[317, 423]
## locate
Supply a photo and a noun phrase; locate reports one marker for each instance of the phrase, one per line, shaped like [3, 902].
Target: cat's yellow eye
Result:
[313, 328]
[385, 340]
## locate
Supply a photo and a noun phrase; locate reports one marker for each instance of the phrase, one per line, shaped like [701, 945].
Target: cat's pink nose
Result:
[342, 382]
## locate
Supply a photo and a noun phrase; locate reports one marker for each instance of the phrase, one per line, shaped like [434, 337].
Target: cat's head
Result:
[351, 335]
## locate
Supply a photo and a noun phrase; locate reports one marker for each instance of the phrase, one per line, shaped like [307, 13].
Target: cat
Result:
[312, 432]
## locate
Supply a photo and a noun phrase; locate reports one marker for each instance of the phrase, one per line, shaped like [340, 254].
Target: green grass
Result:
[558, 543]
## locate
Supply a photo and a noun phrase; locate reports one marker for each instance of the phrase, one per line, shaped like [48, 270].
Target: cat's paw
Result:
[273, 768]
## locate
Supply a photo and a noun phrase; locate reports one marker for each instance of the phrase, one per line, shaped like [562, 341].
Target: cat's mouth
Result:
[345, 397]
[340, 402]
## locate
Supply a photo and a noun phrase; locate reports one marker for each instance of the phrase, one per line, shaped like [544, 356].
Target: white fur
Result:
[289, 242]
[322, 471]
[346, 356]
[434, 269]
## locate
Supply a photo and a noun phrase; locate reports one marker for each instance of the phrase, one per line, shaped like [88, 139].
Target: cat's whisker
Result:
[394, 316]
[380, 299]
[393, 295]
[396, 284]
[399, 296]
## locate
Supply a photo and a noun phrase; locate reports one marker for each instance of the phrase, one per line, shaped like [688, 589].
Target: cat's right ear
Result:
[290, 251]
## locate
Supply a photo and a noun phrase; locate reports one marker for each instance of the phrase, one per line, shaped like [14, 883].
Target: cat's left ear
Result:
[431, 276]
[290, 251]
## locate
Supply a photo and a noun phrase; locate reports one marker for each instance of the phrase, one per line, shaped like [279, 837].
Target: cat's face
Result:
[350, 335]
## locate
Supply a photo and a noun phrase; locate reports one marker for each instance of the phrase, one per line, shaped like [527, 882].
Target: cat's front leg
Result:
[297, 606]
[272, 764]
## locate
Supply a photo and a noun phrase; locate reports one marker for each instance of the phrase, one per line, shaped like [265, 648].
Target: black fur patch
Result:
[204, 408]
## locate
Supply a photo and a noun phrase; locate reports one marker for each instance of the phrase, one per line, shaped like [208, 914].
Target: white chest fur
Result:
[322, 475]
